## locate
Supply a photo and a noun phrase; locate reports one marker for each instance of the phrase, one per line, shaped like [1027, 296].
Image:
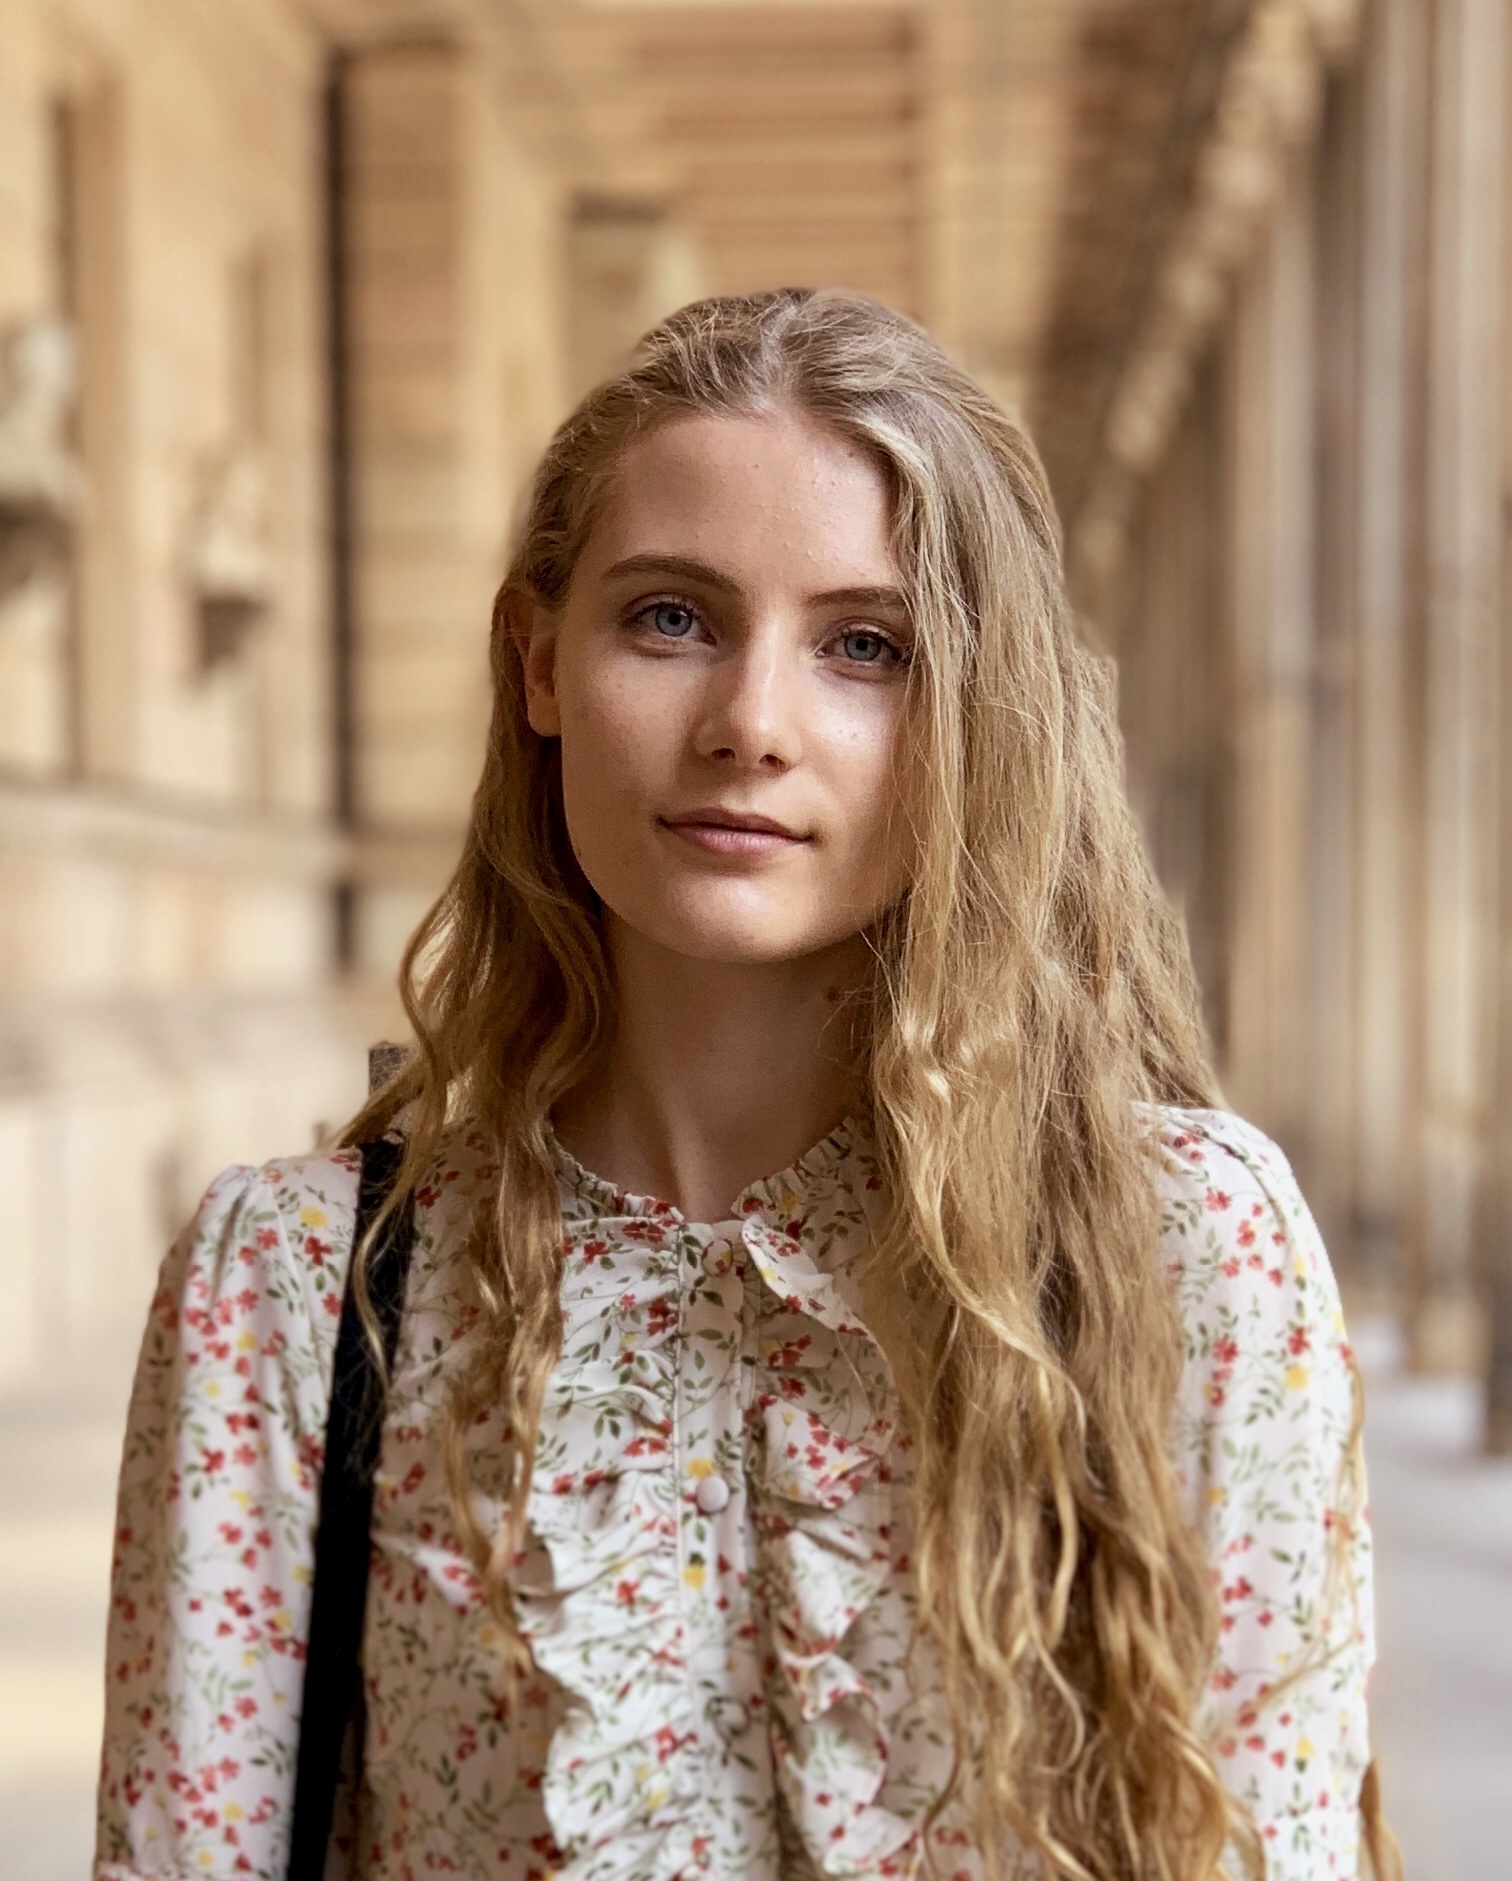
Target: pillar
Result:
[448, 252]
[1462, 508]
[1271, 561]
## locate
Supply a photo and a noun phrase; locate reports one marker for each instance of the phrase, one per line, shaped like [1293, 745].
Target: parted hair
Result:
[1033, 1003]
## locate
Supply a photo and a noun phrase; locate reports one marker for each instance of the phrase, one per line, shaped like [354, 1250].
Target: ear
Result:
[533, 632]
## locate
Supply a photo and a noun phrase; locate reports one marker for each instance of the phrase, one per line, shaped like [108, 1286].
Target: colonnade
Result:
[1294, 540]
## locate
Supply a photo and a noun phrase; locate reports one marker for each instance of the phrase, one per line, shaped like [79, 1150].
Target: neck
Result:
[717, 1074]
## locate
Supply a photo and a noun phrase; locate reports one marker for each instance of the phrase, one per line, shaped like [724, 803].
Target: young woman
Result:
[859, 1409]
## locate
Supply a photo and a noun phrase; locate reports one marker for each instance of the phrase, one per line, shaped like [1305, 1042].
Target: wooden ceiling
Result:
[998, 168]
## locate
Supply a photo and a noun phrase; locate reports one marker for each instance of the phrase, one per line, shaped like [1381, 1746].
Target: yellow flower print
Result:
[1296, 1376]
[313, 1218]
[693, 1575]
[699, 1468]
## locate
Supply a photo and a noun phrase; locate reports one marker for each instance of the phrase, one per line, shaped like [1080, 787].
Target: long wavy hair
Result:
[1033, 999]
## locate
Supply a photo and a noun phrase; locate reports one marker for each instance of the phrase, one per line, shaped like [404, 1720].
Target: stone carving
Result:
[230, 564]
[41, 483]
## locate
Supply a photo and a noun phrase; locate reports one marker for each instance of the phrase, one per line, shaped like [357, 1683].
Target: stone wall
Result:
[241, 713]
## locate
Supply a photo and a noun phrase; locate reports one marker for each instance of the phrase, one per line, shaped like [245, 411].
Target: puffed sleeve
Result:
[1273, 1479]
[210, 1585]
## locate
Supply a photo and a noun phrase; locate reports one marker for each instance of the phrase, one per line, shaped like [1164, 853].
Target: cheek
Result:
[868, 778]
[615, 744]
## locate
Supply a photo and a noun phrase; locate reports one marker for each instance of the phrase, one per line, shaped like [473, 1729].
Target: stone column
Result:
[1463, 550]
[1496, 1214]
[451, 361]
[1388, 329]
[1172, 644]
[1335, 887]
[1271, 559]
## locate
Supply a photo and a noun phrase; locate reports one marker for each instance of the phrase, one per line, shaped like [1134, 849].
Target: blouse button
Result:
[712, 1494]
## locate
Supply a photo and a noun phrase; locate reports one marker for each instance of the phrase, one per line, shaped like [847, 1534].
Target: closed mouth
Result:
[716, 818]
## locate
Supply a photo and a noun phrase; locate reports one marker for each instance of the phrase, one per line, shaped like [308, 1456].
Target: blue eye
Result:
[671, 619]
[865, 647]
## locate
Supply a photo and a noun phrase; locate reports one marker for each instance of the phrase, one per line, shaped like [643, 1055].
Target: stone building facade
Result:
[293, 291]
[1294, 535]
[221, 797]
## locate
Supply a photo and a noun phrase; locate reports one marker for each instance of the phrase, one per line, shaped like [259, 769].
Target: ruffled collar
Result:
[778, 1200]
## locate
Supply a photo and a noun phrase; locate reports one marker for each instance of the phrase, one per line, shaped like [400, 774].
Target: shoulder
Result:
[1201, 1150]
[258, 1272]
[1267, 1363]
[288, 1222]
[1237, 1237]
[1233, 1220]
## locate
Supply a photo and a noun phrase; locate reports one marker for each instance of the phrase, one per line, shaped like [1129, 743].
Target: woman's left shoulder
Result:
[1237, 1237]
[1267, 1368]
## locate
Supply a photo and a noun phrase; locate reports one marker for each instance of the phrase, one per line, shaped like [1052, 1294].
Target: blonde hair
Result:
[1034, 992]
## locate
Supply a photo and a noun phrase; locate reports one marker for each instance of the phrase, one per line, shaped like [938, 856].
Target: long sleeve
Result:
[215, 1529]
[1271, 1469]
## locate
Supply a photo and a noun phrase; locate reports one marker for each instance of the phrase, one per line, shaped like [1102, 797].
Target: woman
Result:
[978, 1495]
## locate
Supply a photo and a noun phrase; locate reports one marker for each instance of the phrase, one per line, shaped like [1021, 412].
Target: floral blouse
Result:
[717, 1587]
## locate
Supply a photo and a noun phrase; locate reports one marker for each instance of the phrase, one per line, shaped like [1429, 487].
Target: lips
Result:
[739, 833]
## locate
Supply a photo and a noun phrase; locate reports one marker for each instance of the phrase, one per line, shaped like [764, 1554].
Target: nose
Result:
[750, 716]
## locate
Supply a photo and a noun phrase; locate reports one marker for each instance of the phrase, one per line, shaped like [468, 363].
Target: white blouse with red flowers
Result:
[717, 1588]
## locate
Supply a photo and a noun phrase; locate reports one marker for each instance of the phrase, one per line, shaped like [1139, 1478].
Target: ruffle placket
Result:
[824, 1420]
[622, 1789]
[599, 1601]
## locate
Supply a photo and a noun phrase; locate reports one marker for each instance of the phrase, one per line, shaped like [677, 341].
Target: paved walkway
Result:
[1443, 1695]
[59, 1451]
[1443, 1692]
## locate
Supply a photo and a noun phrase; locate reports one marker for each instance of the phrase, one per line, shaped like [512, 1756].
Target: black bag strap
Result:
[342, 1540]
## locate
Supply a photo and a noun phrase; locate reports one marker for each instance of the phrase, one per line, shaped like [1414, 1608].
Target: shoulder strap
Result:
[339, 1599]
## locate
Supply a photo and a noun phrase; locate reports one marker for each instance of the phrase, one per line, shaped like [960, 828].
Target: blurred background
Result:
[291, 294]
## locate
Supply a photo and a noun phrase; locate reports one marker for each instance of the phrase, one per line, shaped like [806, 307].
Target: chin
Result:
[741, 935]
[731, 945]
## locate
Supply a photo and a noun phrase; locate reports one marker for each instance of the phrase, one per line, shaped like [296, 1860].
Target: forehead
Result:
[750, 493]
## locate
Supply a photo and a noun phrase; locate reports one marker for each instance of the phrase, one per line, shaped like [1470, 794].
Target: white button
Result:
[712, 1494]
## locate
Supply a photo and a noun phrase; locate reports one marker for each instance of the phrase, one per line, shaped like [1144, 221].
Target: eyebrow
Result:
[686, 568]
